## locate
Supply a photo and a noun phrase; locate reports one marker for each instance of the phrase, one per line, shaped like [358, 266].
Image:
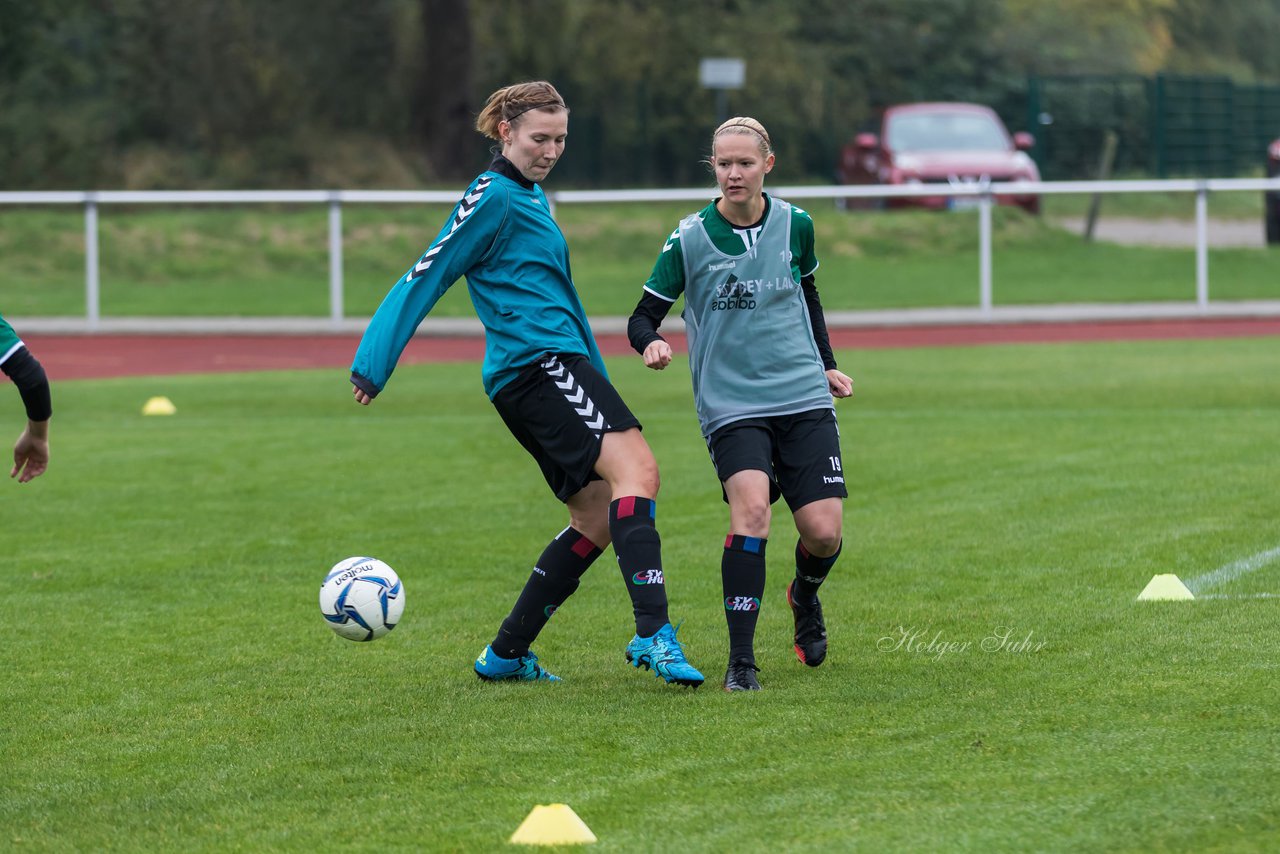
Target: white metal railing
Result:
[983, 193]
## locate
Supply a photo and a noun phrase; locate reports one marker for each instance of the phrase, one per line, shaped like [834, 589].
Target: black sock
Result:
[554, 578]
[639, 550]
[810, 573]
[742, 569]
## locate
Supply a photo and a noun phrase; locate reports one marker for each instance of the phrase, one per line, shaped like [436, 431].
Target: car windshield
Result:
[945, 132]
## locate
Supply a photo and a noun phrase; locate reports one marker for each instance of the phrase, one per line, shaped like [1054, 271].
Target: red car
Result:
[1273, 197]
[939, 143]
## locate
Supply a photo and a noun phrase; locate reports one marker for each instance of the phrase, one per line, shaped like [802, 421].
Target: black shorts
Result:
[559, 409]
[800, 453]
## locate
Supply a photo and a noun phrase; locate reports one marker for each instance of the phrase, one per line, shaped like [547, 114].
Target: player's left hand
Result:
[841, 385]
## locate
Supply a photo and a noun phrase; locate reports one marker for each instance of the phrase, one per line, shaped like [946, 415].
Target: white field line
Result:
[1232, 571]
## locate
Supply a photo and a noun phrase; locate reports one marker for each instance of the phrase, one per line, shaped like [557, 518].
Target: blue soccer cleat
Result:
[491, 667]
[662, 653]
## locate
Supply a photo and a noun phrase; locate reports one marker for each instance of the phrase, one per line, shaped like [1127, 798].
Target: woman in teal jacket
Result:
[545, 376]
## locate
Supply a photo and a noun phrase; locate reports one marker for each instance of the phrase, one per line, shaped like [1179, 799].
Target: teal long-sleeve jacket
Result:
[503, 239]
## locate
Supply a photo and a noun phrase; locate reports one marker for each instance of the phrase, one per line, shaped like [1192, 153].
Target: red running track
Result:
[68, 357]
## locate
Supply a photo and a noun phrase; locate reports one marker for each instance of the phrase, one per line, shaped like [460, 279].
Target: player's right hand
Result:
[657, 355]
[30, 457]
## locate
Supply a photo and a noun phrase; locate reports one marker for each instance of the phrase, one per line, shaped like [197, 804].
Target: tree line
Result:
[102, 94]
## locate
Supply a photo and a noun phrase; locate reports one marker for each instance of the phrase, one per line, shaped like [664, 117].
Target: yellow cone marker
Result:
[159, 406]
[1164, 587]
[555, 824]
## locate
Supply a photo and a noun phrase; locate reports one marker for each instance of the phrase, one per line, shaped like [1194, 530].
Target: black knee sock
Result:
[810, 573]
[742, 569]
[553, 580]
[639, 550]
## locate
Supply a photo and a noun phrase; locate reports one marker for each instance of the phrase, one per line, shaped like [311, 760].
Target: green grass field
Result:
[170, 686]
[261, 261]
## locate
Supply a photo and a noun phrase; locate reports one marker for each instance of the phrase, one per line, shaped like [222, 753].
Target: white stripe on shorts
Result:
[576, 395]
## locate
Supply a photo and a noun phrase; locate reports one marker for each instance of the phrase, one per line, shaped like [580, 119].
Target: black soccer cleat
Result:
[741, 675]
[811, 631]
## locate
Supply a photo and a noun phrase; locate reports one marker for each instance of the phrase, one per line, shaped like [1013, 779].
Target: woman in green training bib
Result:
[764, 382]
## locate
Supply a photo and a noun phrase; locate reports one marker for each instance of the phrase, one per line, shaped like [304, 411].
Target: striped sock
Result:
[810, 573]
[554, 578]
[639, 551]
[742, 573]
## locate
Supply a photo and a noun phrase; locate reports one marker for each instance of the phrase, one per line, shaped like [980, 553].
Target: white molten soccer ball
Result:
[361, 598]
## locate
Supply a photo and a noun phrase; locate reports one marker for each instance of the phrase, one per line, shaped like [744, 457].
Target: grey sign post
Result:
[722, 74]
